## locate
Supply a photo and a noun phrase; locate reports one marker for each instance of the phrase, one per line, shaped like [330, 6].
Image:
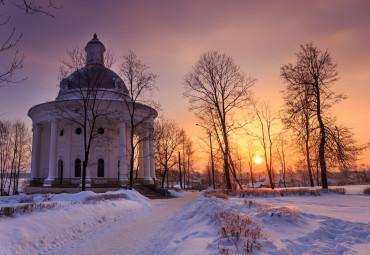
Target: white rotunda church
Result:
[58, 131]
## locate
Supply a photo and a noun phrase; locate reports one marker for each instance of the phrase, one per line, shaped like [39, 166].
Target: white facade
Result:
[58, 140]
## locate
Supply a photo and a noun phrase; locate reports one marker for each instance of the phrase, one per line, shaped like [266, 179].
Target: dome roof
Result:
[94, 74]
[94, 77]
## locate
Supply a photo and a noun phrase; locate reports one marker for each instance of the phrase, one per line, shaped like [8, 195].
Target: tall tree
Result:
[310, 79]
[266, 118]
[217, 85]
[140, 84]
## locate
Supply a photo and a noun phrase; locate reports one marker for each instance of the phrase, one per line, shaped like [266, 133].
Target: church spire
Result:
[95, 51]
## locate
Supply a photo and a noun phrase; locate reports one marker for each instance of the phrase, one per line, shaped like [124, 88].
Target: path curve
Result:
[146, 233]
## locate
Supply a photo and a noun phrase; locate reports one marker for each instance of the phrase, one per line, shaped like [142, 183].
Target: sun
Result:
[258, 160]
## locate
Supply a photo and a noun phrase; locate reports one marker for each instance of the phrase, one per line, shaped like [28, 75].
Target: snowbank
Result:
[293, 225]
[41, 231]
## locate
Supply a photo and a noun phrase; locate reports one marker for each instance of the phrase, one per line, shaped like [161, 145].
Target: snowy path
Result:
[148, 232]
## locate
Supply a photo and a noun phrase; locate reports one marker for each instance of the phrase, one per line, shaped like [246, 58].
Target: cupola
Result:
[95, 51]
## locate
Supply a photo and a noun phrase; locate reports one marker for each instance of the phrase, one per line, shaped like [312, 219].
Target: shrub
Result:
[366, 191]
[216, 194]
[90, 199]
[47, 197]
[9, 211]
[341, 191]
[26, 199]
[241, 231]
[272, 211]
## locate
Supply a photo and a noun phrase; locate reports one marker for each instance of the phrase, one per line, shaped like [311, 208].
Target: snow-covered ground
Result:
[325, 224]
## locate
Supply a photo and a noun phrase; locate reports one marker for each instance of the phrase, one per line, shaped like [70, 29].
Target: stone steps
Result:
[152, 192]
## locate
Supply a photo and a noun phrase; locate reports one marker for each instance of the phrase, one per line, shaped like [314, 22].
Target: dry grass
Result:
[272, 211]
[366, 191]
[9, 211]
[283, 192]
[209, 194]
[91, 199]
[242, 232]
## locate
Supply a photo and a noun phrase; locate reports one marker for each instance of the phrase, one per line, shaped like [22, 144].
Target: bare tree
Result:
[10, 42]
[216, 84]
[282, 148]
[310, 80]
[266, 118]
[167, 137]
[140, 84]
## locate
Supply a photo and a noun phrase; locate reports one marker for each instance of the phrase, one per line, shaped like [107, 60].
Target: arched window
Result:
[60, 170]
[78, 167]
[100, 167]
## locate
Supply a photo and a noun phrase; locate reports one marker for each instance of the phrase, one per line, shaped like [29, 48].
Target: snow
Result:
[325, 224]
[42, 231]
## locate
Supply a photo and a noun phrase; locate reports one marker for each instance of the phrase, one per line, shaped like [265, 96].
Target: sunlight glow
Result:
[258, 160]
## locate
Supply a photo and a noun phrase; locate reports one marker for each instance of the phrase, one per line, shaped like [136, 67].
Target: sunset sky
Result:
[169, 36]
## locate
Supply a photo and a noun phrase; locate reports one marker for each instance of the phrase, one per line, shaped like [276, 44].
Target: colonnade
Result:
[146, 147]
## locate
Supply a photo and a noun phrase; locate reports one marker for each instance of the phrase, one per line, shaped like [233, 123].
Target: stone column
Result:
[35, 164]
[146, 158]
[122, 154]
[69, 167]
[51, 180]
[141, 159]
[151, 151]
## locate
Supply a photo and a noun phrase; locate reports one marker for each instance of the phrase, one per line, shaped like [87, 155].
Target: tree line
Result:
[174, 154]
[15, 155]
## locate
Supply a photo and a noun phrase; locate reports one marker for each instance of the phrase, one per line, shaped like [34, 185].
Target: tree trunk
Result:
[251, 171]
[324, 178]
[269, 172]
[131, 184]
[233, 172]
[164, 176]
[180, 170]
[226, 158]
[213, 165]
[308, 153]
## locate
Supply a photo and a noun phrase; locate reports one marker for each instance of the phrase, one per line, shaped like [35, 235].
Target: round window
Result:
[78, 131]
[61, 133]
[100, 131]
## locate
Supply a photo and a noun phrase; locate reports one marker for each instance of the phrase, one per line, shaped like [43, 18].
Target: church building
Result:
[58, 132]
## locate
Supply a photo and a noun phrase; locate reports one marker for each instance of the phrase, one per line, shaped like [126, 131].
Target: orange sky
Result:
[170, 36]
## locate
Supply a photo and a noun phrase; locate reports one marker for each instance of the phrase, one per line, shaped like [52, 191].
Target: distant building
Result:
[57, 149]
